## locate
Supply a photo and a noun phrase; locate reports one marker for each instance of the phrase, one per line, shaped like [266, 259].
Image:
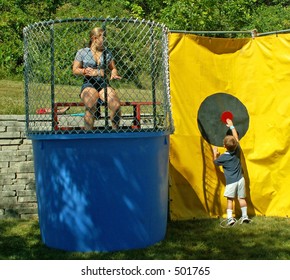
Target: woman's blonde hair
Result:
[97, 31]
[230, 143]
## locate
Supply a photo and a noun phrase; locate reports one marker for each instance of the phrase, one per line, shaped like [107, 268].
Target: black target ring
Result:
[212, 129]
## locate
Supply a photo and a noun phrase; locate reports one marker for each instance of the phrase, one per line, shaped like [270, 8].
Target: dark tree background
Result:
[205, 15]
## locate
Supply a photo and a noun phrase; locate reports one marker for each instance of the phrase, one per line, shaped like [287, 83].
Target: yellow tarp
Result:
[257, 72]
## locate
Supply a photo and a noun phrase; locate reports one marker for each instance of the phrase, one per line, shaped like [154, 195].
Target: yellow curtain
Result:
[255, 71]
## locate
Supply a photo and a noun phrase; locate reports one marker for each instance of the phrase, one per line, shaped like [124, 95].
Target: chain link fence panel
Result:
[52, 92]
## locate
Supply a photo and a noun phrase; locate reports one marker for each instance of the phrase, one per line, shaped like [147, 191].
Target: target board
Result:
[214, 111]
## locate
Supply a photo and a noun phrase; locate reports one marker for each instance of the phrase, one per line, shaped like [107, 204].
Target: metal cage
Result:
[52, 91]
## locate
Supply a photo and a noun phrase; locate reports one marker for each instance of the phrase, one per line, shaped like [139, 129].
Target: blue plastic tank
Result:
[102, 192]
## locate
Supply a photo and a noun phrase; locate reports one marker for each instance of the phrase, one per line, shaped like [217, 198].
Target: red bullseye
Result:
[226, 115]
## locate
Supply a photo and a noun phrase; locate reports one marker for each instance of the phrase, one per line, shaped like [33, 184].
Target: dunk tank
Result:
[99, 189]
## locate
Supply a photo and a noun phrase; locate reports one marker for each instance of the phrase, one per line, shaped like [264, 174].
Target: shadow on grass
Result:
[264, 239]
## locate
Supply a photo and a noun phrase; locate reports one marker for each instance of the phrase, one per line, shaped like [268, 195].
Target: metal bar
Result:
[26, 79]
[210, 32]
[166, 80]
[105, 79]
[273, 32]
[52, 88]
[130, 20]
[153, 75]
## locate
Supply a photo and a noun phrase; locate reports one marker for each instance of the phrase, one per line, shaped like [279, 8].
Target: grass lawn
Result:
[12, 97]
[266, 238]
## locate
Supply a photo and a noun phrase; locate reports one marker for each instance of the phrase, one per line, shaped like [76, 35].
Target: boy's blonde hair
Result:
[230, 143]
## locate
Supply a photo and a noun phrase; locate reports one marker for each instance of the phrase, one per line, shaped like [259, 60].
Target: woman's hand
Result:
[115, 77]
[92, 72]
[114, 72]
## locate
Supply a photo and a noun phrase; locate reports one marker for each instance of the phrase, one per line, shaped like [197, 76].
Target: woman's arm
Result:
[114, 71]
[89, 71]
[78, 68]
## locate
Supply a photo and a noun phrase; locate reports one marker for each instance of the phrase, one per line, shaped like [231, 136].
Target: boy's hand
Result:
[215, 152]
[229, 122]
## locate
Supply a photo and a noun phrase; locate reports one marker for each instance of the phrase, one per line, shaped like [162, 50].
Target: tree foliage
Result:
[16, 14]
[264, 15]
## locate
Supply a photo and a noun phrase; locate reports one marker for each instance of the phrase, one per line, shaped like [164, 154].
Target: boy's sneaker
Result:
[231, 222]
[245, 220]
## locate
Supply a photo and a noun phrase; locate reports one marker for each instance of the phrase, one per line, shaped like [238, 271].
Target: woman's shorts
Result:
[236, 189]
[95, 85]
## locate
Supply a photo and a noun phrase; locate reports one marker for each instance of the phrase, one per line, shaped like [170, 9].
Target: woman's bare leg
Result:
[90, 97]
[114, 105]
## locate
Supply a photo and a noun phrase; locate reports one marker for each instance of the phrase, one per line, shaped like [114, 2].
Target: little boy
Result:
[235, 182]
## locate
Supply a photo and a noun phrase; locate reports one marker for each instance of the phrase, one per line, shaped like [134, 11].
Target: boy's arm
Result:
[216, 153]
[230, 124]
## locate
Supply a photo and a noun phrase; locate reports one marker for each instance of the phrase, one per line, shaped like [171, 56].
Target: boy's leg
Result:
[242, 201]
[230, 192]
[243, 204]
[230, 202]
[231, 220]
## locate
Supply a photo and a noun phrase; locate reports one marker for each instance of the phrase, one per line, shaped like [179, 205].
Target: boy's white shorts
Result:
[236, 189]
